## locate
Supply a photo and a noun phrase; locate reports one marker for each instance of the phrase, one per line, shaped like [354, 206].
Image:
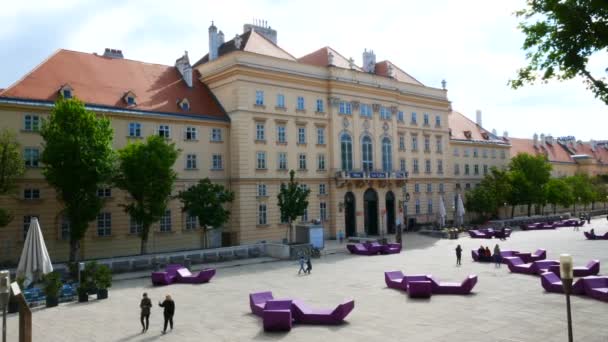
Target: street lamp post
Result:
[567, 274]
[5, 280]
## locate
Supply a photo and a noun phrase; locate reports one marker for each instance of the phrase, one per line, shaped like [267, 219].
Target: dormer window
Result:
[184, 104]
[467, 134]
[66, 91]
[485, 135]
[129, 98]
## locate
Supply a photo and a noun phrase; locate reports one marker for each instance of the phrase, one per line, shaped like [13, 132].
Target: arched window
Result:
[346, 145]
[387, 155]
[366, 154]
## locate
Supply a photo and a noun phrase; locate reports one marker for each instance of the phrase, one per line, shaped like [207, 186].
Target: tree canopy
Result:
[293, 201]
[12, 167]
[146, 172]
[561, 35]
[529, 174]
[77, 159]
[558, 192]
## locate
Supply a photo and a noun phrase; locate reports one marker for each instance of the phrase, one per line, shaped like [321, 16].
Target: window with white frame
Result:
[402, 166]
[415, 168]
[425, 118]
[321, 162]
[367, 154]
[401, 142]
[190, 133]
[260, 160]
[485, 169]
[345, 108]
[387, 155]
[414, 119]
[262, 190]
[400, 117]
[475, 153]
[216, 134]
[365, 110]
[427, 143]
[467, 169]
[30, 194]
[217, 162]
[191, 162]
[440, 167]
[429, 208]
[323, 211]
[427, 166]
[104, 224]
[416, 188]
[191, 221]
[64, 227]
[281, 101]
[259, 97]
[301, 135]
[467, 186]
[429, 187]
[134, 226]
[346, 152]
[417, 206]
[134, 129]
[321, 135]
[439, 142]
[27, 219]
[320, 106]
[282, 161]
[437, 121]
[281, 135]
[476, 170]
[414, 142]
[466, 153]
[104, 192]
[456, 169]
[165, 221]
[385, 113]
[300, 105]
[262, 214]
[31, 123]
[302, 161]
[440, 188]
[484, 153]
[31, 156]
[260, 132]
[322, 189]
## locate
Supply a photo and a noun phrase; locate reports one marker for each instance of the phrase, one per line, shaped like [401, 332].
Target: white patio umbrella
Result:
[442, 212]
[460, 210]
[35, 261]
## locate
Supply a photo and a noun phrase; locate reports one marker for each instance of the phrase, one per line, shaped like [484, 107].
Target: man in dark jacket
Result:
[169, 311]
[145, 306]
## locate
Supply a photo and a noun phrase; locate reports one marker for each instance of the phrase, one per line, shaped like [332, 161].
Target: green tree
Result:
[529, 174]
[600, 189]
[293, 201]
[146, 172]
[561, 35]
[12, 167]
[582, 189]
[481, 200]
[77, 159]
[558, 192]
[206, 201]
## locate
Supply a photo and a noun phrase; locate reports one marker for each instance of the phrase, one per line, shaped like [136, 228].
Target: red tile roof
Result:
[319, 58]
[463, 128]
[554, 152]
[398, 74]
[103, 81]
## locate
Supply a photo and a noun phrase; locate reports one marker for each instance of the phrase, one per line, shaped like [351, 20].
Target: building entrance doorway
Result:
[370, 209]
[390, 212]
[350, 215]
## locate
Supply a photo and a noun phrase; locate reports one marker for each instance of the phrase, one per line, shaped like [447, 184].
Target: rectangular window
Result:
[321, 162]
[191, 162]
[302, 161]
[400, 116]
[134, 129]
[365, 110]
[164, 131]
[466, 152]
[385, 113]
[31, 157]
[30, 194]
[165, 221]
[402, 165]
[191, 222]
[466, 169]
[27, 219]
[190, 133]
[484, 153]
[104, 224]
[301, 135]
[216, 134]
[456, 152]
[217, 162]
[440, 167]
[475, 154]
[401, 142]
[416, 188]
[281, 101]
[437, 121]
[281, 136]
[429, 187]
[425, 118]
[282, 161]
[440, 188]
[467, 186]
[262, 214]
[493, 152]
[261, 160]
[456, 169]
[417, 206]
[485, 170]
[260, 133]
[305, 215]
[322, 189]
[31, 123]
[321, 135]
[427, 166]
[323, 211]
[415, 168]
[414, 142]
[430, 206]
[476, 169]
[439, 142]
[259, 97]
[262, 190]
[414, 118]
[345, 108]
[134, 226]
[300, 103]
[320, 106]
[104, 192]
[502, 154]
[427, 143]
[65, 228]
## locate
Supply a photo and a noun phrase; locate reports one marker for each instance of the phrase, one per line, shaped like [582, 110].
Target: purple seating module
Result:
[258, 300]
[373, 247]
[454, 288]
[395, 280]
[551, 283]
[592, 268]
[391, 248]
[542, 266]
[204, 276]
[277, 315]
[306, 315]
[540, 254]
[590, 236]
[419, 289]
[359, 248]
[167, 277]
[596, 287]
[516, 265]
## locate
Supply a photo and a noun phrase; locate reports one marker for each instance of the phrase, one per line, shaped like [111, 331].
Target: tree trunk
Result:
[529, 209]
[554, 209]
[74, 249]
[512, 211]
[205, 237]
[144, 240]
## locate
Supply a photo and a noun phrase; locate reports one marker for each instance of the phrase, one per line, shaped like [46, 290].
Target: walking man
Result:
[497, 257]
[169, 311]
[458, 254]
[145, 306]
[308, 265]
[302, 261]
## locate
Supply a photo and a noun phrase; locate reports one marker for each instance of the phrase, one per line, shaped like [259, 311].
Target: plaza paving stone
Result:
[504, 306]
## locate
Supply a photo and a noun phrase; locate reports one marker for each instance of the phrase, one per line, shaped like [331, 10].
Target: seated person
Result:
[488, 253]
[481, 252]
[592, 232]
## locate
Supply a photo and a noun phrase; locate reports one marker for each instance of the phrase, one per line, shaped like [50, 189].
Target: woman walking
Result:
[458, 254]
[145, 306]
[497, 257]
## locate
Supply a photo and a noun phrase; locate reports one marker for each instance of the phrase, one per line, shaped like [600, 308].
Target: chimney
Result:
[542, 139]
[369, 61]
[261, 27]
[549, 139]
[505, 134]
[494, 132]
[478, 118]
[113, 53]
[593, 144]
[185, 69]
[220, 39]
[213, 42]
[535, 138]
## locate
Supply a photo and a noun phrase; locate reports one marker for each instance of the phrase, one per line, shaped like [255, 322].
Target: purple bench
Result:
[454, 288]
[592, 268]
[359, 249]
[277, 315]
[258, 300]
[166, 277]
[551, 283]
[596, 287]
[596, 237]
[391, 248]
[543, 266]
[517, 265]
[540, 254]
[419, 289]
[373, 247]
[395, 280]
[477, 234]
[204, 276]
[306, 315]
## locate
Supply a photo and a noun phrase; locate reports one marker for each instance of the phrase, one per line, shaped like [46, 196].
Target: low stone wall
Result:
[518, 221]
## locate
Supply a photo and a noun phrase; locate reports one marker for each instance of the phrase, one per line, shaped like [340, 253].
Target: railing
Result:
[375, 174]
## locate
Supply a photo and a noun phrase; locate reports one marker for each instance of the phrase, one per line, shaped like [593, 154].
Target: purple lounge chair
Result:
[395, 280]
[306, 315]
[551, 283]
[258, 300]
[373, 247]
[204, 276]
[277, 315]
[419, 289]
[596, 287]
[592, 268]
[359, 248]
[476, 234]
[542, 266]
[596, 237]
[391, 248]
[167, 277]
[540, 254]
[454, 288]
[516, 265]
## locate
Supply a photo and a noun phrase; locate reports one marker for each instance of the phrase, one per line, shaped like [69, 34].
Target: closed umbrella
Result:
[35, 261]
[460, 210]
[442, 212]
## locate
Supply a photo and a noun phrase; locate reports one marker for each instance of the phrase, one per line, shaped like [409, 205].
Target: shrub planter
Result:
[51, 301]
[102, 293]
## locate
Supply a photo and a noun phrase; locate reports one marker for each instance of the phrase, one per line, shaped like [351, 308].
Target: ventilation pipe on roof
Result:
[369, 61]
[494, 132]
[262, 27]
[542, 139]
[505, 134]
[213, 42]
[535, 139]
[113, 53]
[478, 117]
[549, 139]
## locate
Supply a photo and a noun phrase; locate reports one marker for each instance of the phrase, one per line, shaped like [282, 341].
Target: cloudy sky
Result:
[473, 44]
